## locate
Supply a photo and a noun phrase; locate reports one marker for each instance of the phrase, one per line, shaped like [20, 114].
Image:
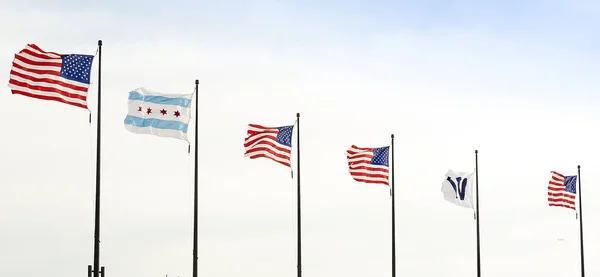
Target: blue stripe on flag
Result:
[156, 123]
[184, 102]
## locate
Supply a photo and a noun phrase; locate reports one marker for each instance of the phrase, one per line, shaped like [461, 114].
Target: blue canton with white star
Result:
[570, 182]
[380, 156]
[285, 135]
[77, 67]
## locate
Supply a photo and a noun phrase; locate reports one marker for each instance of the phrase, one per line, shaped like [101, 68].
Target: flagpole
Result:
[299, 254]
[477, 214]
[393, 216]
[580, 223]
[96, 270]
[195, 247]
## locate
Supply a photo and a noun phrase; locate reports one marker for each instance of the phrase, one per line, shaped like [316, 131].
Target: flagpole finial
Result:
[578, 166]
[197, 82]
[392, 135]
[297, 114]
[99, 42]
[476, 151]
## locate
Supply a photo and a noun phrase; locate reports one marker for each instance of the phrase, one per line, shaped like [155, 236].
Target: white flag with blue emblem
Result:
[164, 115]
[457, 188]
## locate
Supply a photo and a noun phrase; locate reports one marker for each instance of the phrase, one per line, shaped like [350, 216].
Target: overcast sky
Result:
[517, 80]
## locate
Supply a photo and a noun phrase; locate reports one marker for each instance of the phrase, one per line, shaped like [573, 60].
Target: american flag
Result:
[274, 143]
[562, 190]
[369, 165]
[51, 76]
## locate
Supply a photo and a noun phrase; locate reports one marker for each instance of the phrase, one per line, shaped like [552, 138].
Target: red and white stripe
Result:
[361, 169]
[36, 73]
[557, 194]
[261, 142]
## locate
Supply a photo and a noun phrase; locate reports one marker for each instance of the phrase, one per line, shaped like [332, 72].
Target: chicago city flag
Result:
[457, 188]
[164, 115]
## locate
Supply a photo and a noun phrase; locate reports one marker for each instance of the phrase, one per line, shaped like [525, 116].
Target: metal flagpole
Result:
[96, 270]
[195, 248]
[299, 254]
[393, 216]
[580, 223]
[477, 214]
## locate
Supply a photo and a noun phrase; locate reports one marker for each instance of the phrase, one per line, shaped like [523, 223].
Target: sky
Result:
[516, 80]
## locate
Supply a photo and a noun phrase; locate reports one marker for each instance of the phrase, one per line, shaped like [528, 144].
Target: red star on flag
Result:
[163, 111]
[177, 114]
[149, 111]
[139, 108]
